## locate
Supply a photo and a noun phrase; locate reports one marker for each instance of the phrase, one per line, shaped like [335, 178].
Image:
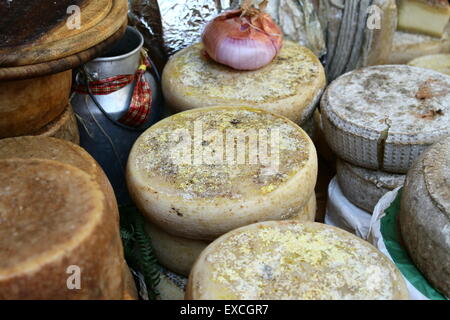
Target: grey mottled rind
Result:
[425, 215]
[364, 187]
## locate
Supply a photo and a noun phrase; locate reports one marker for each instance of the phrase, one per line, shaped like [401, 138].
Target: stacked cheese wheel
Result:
[38, 107]
[201, 173]
[59, 219]
[378, 120]
[296, 261]
[290, 85]
[425, 215]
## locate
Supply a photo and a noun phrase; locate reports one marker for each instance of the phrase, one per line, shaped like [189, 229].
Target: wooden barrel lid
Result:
[34, 32]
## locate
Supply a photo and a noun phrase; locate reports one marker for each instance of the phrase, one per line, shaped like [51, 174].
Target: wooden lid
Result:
[37, 32]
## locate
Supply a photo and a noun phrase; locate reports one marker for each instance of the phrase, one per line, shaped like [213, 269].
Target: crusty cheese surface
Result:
[289, 85]
[395, 111]
[436, 62]
[214, 197]
[291, 260]
[53, 219]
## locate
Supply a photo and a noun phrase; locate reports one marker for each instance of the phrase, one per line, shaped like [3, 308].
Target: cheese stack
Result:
[290, 85]
[61, 211]
[387, 116]
[425, 215]
[201, 173]
[290, 260]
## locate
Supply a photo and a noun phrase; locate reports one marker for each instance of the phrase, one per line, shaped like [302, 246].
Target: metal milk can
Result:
[101, 134]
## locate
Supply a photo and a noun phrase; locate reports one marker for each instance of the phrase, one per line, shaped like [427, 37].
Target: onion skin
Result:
[242, 42]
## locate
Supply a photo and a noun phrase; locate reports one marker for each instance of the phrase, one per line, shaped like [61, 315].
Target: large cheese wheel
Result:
[408, 46]
[190, 176]
[436, 62]
[28, 105]
[64, 127]
[55, 229]
[29, 147]
[364, 187]
[425, 215]
[290, 260]
[290, 85]
[384, 117]
[179, 254]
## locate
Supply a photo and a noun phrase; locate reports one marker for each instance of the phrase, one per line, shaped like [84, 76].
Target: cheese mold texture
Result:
[201, 173]
[290, 85]
[179, 254]
[290, 260]
[436, 62]
[57, 239]
[425, 215]
[30, 147]
[408, 46]
[384, 117]
[64, 127]
[364, 187]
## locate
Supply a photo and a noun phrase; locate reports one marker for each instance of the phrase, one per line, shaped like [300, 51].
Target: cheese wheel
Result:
[408, 46]
[204, 172]
[364, 187]
[290, 260]
[179, 254]
[171, 286]
[57, 240]
[64, 127]
[436, 62]
[28, 105]
[29, 147]
[290, 85]
[425, 215]
[323, 149]
[387, 116]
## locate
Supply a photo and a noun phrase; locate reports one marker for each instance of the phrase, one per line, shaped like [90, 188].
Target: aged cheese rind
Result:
[425, 215]
[64, 127]
[408, 46]
[288, 86]
[388, 115]
[436, 62]
[179, 254]
[364, 187]
[296, 261]
[39, 147]
[203, 201]
[171, 286]
[320, 141]
[54, 216]
[428, 17]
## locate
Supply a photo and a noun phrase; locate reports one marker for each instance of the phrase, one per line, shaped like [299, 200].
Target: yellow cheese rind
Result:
[203, 201]
[55, 225]
[296, 261]
[436, 62]
[423, 17]
[290, 85]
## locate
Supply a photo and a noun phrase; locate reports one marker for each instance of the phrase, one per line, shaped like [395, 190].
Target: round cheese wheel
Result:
[179, 254]
[364, 187]
[290, 260]
[64, 127]
[408, 46]
[28, 105]
[29, 147]
[57, 240]
[387, 116]
[290, 85]
[436, 62]
[204, 172]
[425, 215]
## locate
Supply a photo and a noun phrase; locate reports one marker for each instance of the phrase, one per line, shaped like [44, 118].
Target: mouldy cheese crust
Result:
[202, 200]
[287, 86]
[290, 260]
